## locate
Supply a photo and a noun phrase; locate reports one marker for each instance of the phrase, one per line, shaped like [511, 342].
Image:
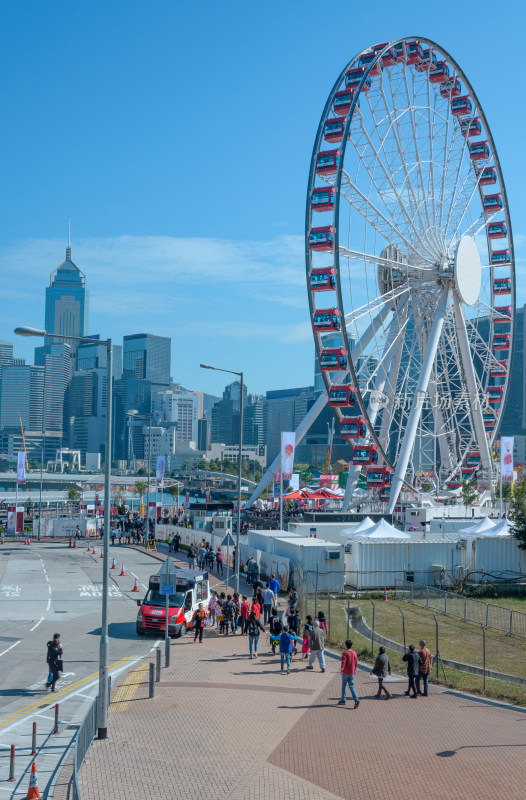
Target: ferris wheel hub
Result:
[468, 270]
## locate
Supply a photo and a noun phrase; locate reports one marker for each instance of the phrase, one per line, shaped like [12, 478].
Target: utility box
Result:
[435, 572]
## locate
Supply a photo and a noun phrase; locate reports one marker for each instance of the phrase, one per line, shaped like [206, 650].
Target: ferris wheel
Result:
[410, 270]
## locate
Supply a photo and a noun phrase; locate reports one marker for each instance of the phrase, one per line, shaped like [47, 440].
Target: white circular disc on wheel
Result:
[468, 270]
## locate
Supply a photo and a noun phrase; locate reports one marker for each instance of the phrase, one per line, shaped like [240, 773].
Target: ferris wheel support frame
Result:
[312, 415]
[469, 374]
[418, 398]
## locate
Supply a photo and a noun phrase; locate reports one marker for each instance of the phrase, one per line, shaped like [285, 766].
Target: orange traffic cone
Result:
[114, 565]
[135, 586]
[385, 594]
[94, 550]
[123, 571]
[32, 792]
[89, 547]
[102, 553]
[75, 545]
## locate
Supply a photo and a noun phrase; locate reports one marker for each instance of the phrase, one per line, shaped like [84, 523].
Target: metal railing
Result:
[468, 609]
[85, 736]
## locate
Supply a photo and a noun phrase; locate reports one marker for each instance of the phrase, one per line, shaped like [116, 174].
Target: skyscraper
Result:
[67, 302]
[147, 357]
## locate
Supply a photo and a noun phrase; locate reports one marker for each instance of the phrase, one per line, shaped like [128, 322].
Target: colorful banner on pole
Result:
[506, 458]
[161, 464]
[21, 467]
[288, 445]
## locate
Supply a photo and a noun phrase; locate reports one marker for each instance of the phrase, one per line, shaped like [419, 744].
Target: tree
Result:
[74, 495]
[140, 488]
[174, 491]
[468, 491]
[518, 513]
[120, 501]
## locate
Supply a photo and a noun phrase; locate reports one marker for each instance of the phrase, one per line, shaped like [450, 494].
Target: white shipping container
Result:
[264, 540]
[499, 556]
[379, 564]
[321, 561]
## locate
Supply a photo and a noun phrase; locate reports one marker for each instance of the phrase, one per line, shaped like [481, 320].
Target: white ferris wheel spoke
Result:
[469, 374]
[418, 399]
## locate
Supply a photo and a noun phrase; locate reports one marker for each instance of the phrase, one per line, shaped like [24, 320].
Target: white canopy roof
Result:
[483, 525]
[502, 528]
[383, 530]
[364, 525]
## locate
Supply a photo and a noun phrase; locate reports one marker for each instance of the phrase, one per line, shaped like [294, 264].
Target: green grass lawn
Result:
[458, 641]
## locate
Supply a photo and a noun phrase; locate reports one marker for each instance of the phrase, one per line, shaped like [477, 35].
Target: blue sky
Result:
[178, 138]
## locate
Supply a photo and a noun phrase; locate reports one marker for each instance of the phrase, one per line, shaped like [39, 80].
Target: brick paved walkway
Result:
[228, 728]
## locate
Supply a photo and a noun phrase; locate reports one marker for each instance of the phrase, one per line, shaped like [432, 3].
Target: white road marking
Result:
[10, 648]
[36, 625]
[136, 576]
[48, 604]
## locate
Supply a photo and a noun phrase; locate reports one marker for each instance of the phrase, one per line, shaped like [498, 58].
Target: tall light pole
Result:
[103, 706]
[240, 374]
[134, 414]
[41, 446]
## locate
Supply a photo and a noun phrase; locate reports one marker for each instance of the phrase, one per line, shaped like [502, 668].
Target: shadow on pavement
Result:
[118, 630]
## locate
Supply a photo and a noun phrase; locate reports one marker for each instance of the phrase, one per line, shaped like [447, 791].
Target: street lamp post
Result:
[240, 374]
[103, 704]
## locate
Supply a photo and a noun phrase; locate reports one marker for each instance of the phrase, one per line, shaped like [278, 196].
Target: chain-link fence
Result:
[467, 654]
[499, 618]
[85, 736]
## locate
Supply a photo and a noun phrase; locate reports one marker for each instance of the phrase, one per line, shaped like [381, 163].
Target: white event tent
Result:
[483, 527]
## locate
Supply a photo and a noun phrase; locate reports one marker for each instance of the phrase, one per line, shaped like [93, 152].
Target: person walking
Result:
[269, 600]
[286, 646]
[54, 660]
[323, 622]
[424, 668]
[294, 623]
[191, 557]
[275, 628]
[293, 599]
[170, 542]
[305, 644]
[212, 608]
[198, 619]
[252, 570]
[348, 671]
[254, 627]
[176, 542]
[275, 587]
[413, 660]
[382, 668]
[245, 613]
[219, 561]
[317, 646]
[229, 611]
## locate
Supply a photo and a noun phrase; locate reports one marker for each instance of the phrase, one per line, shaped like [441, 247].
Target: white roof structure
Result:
[382, 530]
[364, 525]
[502, 528]
[483, 526]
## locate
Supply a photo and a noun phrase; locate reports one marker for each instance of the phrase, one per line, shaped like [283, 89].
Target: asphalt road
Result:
[47, 588]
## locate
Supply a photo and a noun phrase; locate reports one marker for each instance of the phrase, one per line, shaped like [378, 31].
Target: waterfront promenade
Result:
[226, 727]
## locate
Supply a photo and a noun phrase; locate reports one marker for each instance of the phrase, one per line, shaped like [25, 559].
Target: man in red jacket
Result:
[348, 670]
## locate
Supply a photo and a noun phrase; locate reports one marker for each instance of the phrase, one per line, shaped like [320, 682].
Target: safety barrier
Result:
[85, 736]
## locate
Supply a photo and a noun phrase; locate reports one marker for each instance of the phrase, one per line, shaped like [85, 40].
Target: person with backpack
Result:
[254, 627]
[229, 611]
[192, 552]
[286, 645]
[413, 660]
[294, 623]
[275, 628]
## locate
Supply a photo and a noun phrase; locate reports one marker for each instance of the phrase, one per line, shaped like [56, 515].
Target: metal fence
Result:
[85, 736]
[498, 618]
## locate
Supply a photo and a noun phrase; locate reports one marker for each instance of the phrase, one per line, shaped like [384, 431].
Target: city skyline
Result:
[226, 282]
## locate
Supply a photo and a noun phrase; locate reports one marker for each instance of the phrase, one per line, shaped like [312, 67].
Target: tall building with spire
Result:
[67, 302]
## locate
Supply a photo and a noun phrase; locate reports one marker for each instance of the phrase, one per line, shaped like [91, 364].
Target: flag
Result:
[21, 467]
[506, 458]
[288, 444]
[161, 462]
